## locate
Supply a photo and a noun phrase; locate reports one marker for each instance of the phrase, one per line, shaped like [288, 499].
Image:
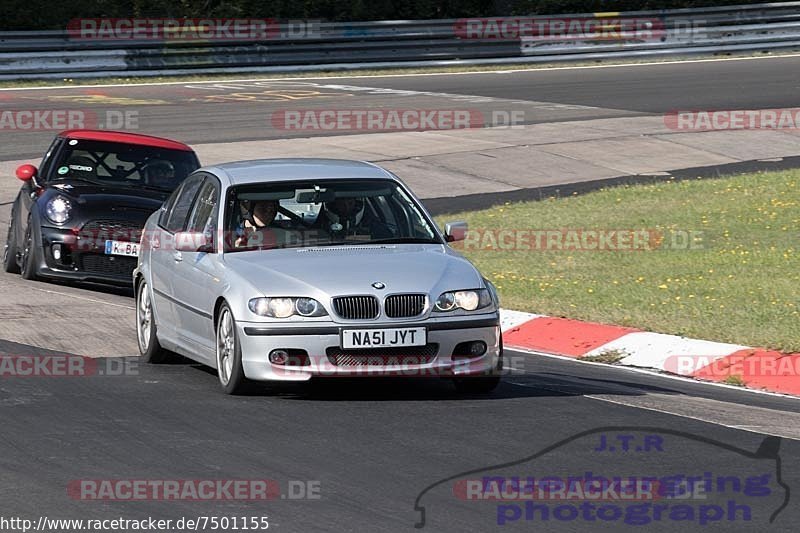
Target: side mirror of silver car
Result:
[455, 231]
[187, 241]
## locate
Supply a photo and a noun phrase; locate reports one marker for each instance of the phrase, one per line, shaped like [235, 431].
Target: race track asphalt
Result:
[387, 453]
[237, 111]
[373, 447]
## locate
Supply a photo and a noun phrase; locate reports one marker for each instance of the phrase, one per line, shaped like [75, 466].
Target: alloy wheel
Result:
[225, 347]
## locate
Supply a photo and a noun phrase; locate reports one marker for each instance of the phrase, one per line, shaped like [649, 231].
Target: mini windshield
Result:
[324, 213]
[123, 165]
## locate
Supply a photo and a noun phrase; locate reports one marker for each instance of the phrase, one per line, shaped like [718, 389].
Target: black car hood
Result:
[128, 205]
[112, 198]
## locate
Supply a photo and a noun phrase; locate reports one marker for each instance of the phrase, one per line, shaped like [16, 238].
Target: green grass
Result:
[735, 380]
[133, 80]
[741, 286]
[609, 357]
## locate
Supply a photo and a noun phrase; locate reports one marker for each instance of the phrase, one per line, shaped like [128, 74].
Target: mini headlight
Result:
[471, 300]
[286, 307]
[58, 209]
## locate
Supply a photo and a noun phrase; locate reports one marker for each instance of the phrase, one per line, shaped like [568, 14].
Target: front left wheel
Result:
[229, 354]
[30, 255]
[149, 347]
[10, 250]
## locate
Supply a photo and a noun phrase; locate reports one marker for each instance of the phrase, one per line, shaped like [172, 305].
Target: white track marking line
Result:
[421, 74]
[699, 419]
[681, 415]
[78, 297]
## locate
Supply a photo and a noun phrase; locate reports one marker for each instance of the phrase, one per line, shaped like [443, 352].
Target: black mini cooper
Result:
[80, 215]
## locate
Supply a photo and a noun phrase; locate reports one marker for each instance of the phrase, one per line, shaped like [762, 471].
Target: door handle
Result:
[178, 257]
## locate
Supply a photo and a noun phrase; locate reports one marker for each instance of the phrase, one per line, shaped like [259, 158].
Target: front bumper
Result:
[319, 340]
[81, 259]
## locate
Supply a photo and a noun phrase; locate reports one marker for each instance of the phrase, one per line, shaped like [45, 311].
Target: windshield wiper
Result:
[112, 184]
[404, 240]
[330, 244]
[68, 178]
[153, 188]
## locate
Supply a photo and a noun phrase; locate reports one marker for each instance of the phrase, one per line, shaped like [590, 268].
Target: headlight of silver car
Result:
[57, 209]
[469, 300]
[286, 307]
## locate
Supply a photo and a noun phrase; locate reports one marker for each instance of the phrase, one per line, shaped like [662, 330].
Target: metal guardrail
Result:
[407, 43]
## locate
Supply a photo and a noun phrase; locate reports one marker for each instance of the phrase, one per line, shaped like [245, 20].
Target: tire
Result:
[30, 255]
[10, 250]
[229, 354]
[150, 349]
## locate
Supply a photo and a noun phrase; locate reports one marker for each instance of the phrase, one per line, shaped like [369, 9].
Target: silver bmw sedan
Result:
[288, 269]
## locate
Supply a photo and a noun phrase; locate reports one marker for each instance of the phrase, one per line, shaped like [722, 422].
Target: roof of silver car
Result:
[262, 170]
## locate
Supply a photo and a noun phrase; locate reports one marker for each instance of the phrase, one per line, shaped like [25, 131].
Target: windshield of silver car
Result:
[323, 213]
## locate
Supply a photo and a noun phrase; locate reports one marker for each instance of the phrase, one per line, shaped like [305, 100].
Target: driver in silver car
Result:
[258, 228]
[349, 218]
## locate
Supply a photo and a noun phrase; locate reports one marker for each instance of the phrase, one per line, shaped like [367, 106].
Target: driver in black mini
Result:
[81, 167]
[160, 173]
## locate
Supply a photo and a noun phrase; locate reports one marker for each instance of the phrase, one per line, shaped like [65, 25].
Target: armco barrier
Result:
[407, 43]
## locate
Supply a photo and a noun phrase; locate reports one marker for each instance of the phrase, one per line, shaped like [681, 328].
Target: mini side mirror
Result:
[26, 172]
